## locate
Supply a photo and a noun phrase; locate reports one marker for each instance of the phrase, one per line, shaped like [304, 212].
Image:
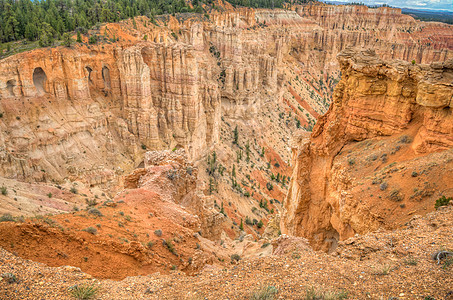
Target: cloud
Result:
[423, 4]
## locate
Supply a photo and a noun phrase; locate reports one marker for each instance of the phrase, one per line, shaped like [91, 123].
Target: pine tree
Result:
[235, 135]
[247, 151]
[10, 26]
[260, 224]
[31, 32]
[79, 37]
[46, 36]
[241, 226]
[67, 39]
[211, 186]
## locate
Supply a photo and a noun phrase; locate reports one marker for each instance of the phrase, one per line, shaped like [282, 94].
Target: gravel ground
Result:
[379, 265]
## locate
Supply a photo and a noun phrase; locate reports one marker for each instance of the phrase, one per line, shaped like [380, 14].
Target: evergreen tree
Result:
[67, 39]
[31, 32]
[79, 37]
[46, 36]
[235, 135]
[21, 19]
[10, 26]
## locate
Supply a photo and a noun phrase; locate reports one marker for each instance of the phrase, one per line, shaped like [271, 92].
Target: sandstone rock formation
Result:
[392, 34]
[392, 107]
[86, 112]
[174, 178]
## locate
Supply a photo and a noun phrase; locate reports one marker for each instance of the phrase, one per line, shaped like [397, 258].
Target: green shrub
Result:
[269, 186]
[4, 191]
[313, 294]
[93, 39]
[259, 224]
[168, 243]
[158, 232]
[405, 139]
[7, 218]
[84, 292]
[95, 212]
[442, 201]
[448, 263]
[235, 257]
[91, 202]
[9, 277]
[91, 230]
[264, 293]
[396, 196]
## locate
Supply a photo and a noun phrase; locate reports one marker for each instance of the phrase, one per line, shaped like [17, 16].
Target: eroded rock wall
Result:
[95, 104]
[89, 112]
[392, 34]
[334, 187]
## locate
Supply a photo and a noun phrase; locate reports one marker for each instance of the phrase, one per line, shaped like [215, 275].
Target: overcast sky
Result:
[417, 4]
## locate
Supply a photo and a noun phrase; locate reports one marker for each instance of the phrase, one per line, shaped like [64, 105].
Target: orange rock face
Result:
[88, 112]
[380, 154]
[392, 34]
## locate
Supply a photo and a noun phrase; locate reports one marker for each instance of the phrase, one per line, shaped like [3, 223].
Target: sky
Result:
[416, 4]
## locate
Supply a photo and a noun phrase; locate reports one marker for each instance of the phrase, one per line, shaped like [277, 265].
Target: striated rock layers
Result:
[90, 112]
[68, 112]
[381, 153]
[392, 34]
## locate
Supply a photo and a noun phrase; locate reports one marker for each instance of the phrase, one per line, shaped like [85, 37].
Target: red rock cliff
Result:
[381, 153]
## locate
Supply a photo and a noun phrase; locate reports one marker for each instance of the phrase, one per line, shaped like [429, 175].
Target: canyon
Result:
[187, 141]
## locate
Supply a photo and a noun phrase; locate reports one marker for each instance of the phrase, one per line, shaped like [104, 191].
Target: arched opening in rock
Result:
[89, 70]
[10, 84]
[106, 77]
[146, 55]
[39, 80]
